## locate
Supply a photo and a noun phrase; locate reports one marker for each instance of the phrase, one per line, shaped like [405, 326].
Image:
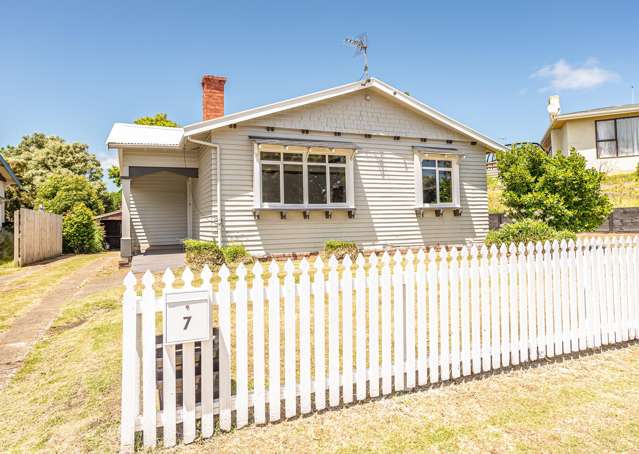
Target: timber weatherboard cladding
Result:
[158, 210]
[384, 182]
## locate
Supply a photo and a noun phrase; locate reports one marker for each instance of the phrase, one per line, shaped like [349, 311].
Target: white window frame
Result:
[305, 151]
[455, 159]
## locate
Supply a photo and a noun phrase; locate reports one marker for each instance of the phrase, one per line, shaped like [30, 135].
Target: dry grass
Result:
[66, 399]
[24, 292]
[587, 404]
[495, 189]
[622, 190]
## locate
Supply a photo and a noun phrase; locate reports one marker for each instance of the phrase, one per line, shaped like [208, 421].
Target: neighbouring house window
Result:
[437, 180]
[309, 178]
[617, 137]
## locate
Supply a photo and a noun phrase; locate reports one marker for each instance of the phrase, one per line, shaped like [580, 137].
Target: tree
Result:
[115, 197]
[558, 190]
[37, 156]
[160, 119]
[114, 175]
[62, 191]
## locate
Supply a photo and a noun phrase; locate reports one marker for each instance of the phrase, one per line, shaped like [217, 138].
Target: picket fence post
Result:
[169, 367]
[129, 360]
[373, 324]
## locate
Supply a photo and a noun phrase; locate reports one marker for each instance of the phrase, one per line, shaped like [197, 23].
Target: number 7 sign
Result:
[187, 316]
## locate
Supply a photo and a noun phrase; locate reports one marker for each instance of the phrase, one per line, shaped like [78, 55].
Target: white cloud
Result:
[563, 76]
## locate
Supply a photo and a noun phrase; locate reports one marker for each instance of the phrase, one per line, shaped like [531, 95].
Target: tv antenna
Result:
[361, 48]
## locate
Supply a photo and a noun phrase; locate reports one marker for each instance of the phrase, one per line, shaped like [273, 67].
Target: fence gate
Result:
[292, 341]
[37, 236]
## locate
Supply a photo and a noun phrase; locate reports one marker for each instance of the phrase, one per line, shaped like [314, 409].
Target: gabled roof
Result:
[132, 135]
[152, 136]
[376, 84]
[7, 173]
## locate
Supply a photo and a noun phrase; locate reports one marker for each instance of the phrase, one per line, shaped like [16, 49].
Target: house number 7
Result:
[188, 320]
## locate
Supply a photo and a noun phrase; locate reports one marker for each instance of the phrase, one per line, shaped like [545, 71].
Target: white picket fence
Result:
[391, 324]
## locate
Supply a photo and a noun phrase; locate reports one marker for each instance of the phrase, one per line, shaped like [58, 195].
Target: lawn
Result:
[622, 189]
[66, 399]
[21, 293]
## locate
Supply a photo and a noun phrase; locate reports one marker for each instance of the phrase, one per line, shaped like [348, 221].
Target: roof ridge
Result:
[135, 125]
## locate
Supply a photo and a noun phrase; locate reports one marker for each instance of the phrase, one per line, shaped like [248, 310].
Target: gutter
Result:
[218, 176]
[12, 175]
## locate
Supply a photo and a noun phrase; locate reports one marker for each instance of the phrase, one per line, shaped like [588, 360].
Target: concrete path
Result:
[26, 330]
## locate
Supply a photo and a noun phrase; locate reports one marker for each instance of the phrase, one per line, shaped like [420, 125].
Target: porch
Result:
[157, 215]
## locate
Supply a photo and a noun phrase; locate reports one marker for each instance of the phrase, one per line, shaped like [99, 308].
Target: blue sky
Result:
[74, 68]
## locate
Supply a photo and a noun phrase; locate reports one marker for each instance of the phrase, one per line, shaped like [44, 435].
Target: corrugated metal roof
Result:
[603, 110]
[125, 134]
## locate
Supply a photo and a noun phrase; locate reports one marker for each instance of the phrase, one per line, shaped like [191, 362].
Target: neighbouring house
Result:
[607, 137]
[362, 162]
[7, 178]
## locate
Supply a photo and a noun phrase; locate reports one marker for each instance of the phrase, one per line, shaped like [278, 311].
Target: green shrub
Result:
[236, 254]
[525, 231]
[200, 253]
[559, 190]
[340, 249]
[80, 232]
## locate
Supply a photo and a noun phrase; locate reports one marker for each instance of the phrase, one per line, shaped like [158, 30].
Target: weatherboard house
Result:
[362, 162]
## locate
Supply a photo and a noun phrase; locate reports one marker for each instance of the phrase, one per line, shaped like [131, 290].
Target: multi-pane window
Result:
[437, 181]
[303, 178]
[617, 137]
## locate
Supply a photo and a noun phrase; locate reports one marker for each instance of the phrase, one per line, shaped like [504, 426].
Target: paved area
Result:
[157, 261]
[17, 341]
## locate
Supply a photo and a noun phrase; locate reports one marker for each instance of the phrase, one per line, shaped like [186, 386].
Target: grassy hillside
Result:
[622, 189]
[495, 189]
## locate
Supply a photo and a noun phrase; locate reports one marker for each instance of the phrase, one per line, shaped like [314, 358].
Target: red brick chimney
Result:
[212, 97]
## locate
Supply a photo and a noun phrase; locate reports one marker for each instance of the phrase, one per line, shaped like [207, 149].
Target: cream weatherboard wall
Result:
[580, 134]
[158, 202]
[204, 211]
[384, 180]
[158, 210]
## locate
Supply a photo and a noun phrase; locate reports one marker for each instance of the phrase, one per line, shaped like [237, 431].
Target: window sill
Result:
[305, 210]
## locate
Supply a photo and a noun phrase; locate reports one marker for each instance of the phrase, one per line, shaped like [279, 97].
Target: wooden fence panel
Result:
[432, 318]
[37, 236]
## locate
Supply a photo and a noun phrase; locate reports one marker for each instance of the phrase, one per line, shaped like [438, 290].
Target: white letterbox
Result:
[187, 316]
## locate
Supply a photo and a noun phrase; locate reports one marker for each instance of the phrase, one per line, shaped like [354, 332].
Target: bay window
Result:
[302, 177]
[436, 178]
